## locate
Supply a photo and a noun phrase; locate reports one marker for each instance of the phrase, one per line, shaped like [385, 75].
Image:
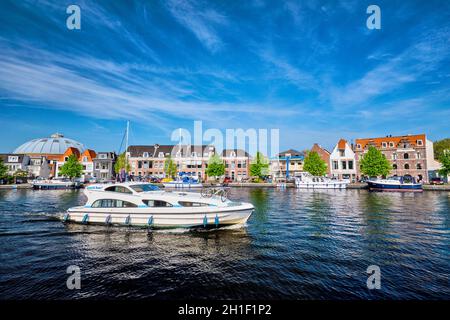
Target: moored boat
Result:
[184, 181]
[55, 184]
[145, 205]
[307, 181]
[395, 183]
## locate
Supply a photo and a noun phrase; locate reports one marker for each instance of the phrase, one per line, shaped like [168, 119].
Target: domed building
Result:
[44, 153]
[57, 144]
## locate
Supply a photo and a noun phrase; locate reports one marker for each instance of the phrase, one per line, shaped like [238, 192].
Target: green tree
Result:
[216, 167]
[120, 164]
[374, 163]
[445, 162]
[440, 147]
[72, 168]
[3, 169]
[260, 166]
[314, 164]
[170, 167]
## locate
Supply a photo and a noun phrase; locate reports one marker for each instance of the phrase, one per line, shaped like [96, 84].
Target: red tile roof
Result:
[377, 142]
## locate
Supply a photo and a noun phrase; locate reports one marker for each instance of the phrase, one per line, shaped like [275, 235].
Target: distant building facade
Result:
[343, 161]
[410, 154]
[15, 162]
[287, 164]
[237, 164]
[149, 160]
[324, 154]
[104, 165]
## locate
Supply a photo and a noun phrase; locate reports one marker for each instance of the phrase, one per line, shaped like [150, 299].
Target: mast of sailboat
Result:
[126, 150]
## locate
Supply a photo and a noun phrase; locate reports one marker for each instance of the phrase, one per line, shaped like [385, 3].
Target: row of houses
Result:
[409, 154]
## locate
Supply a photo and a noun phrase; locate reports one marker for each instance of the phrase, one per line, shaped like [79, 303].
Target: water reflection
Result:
[298, 244]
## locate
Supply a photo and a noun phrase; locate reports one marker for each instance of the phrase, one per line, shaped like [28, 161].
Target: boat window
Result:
[156, 203]
[112, 203]
[119, 189]
[144, 187]
[192, 204]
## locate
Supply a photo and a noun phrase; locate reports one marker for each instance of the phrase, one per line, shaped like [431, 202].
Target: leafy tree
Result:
[21, 173]
[374, 163]
[3, 169]
[170, 167]
[440, 147]
[314, 164]
[120, 164]
[216, 167]
[445, 162]
[259, 166]
[72, 168]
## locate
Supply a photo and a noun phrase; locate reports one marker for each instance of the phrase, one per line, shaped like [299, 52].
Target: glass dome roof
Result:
[56, 144]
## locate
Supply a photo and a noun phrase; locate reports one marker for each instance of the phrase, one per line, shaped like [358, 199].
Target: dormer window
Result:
[194, 154]
[145, 155]
[384, 144]
[233, 154]
[419, 142]
[13, 159]
[161, 155]
[391, 144]
[85, 159]
[358, 146]
[178, 154]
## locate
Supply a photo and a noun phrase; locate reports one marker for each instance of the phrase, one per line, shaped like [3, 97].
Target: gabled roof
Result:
[377, 142]
[90, 154]
[316, 147]
[341, 144]
[292, 152]
[154, 150]
[70, 151]
[238, 152]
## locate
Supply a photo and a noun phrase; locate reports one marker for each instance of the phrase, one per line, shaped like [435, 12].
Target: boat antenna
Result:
[126, 148]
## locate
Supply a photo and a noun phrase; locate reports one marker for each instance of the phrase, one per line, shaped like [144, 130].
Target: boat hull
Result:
[306, 185]
[391, 187]
[181, 185]
[160, 220]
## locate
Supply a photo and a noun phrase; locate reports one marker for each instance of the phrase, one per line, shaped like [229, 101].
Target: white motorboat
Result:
[307, 181]
[141, 204]
[54, 184]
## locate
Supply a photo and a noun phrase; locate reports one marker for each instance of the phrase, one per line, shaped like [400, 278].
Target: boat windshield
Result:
[144, 187]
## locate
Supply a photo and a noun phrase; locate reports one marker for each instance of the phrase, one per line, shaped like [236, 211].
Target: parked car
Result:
[227, 180]
[436, 180]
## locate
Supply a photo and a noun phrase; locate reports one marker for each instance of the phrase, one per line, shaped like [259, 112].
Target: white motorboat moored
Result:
[307, 181]
[55, 184]
[142, 204]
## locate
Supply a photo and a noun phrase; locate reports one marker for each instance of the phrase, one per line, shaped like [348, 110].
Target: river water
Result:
[297, 245]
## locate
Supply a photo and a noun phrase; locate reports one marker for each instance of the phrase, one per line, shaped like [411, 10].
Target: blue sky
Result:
[310, 68]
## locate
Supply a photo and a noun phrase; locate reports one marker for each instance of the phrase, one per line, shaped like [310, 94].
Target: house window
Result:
[335, 165]
[391, 144]
[344, 165]
[85, 159]
[13, 159]
[350, 165]
[384, 144]
[406, 166]
[418, 155]
[419, 142]
[394, 167]
[66, 158]
[358, 146]
[406, 156]
[342, 153]
[419, 166]
[102, 156]
[161, 155]
[232, 154]
[145, 155]
[194, 154]
[394, 156]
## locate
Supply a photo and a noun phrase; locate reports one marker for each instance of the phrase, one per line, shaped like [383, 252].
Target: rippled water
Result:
[297, 245]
